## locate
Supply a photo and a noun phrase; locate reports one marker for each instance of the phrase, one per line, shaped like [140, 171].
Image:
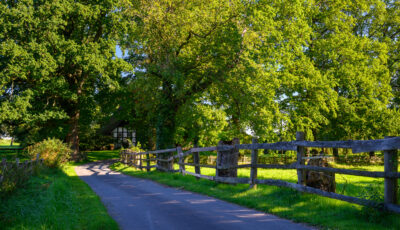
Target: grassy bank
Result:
[308, 208]
[55, 199]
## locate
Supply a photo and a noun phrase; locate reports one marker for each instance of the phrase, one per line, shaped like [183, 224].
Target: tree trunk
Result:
[73, 135]
[165, 127]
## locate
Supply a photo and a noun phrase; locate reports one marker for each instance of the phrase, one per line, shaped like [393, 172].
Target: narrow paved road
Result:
[142, 204]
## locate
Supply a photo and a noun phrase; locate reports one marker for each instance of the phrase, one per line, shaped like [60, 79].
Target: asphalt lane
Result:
[143, 204]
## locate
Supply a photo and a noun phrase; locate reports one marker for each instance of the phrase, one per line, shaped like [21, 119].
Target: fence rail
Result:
[27, 166]
[389, 145]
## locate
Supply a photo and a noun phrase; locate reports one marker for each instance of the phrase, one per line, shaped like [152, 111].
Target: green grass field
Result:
[308, 208]
[56, 199]
[4, 142]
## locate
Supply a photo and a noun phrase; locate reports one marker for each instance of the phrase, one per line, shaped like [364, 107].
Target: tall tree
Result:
[182, 47]
[54, 57]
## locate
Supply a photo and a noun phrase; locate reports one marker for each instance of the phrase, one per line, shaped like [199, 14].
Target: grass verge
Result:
[301, 207]
[55, 199]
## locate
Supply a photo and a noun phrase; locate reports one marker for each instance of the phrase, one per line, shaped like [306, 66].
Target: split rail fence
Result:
[10, 168]
[389, 146]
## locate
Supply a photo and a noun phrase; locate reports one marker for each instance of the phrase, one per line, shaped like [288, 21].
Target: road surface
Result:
[143, 204]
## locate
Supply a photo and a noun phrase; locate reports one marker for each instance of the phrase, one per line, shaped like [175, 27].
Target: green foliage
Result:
[13, 177]
[137, 148]
[55, 58]
[204, 70]
[53, 151]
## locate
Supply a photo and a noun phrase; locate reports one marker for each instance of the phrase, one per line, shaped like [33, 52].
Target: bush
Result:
[53, 151]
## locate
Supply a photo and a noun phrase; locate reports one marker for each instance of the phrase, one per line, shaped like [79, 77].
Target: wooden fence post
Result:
[148, 162]
[391, 184]
[227, 159]
[301, 174]
[181, 159]
[140, 162]
[253, 172]
[196, 160]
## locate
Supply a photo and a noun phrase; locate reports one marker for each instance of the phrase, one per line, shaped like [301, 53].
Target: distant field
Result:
[5, 142]
[10, 155]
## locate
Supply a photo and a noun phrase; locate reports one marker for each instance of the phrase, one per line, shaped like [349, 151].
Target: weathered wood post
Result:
[196, 160]
[391, 184]
[301, 175]
[254, 157]
[140, 161]
[148, 162]
[226, 159]
[4, 164]
[181, 160]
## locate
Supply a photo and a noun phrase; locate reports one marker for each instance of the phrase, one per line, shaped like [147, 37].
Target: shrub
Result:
[53, 151]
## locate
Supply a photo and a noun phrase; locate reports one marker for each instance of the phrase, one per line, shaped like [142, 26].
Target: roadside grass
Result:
[319, 211]
[345, 184]
[55, 199]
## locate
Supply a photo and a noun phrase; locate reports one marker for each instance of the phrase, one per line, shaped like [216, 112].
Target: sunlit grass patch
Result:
[301, 207]
[55, 199]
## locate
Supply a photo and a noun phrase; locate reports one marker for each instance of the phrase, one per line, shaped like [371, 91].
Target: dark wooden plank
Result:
[325, 144]
[164, 160]
[196, 160]
[203, 149]
[301, 173]
[236, 166]
[376, 145]
[199, 165]
[253, 170]
[163, 151]
[392, 208]
[233, 180]
[225, 147]
[181, 160]
[286, 146]
[357, 146]
[276, 166]
[148, 166]
[199, 175]
[184, 154]
[391, 184]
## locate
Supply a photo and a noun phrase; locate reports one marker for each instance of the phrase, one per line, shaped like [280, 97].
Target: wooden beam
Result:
[301, 174]
[253, 170]
[199, 165]
[391, 184]
[286, 146]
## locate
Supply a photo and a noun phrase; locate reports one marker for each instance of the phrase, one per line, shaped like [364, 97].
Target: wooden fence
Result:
[27, 167]
[389, 145]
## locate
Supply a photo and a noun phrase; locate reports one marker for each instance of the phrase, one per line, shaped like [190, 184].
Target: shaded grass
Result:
[301, 207]
[102, 155]
[55, 199]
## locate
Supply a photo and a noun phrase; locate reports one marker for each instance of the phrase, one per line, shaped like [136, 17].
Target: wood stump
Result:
[321, 180]
[227, 159]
